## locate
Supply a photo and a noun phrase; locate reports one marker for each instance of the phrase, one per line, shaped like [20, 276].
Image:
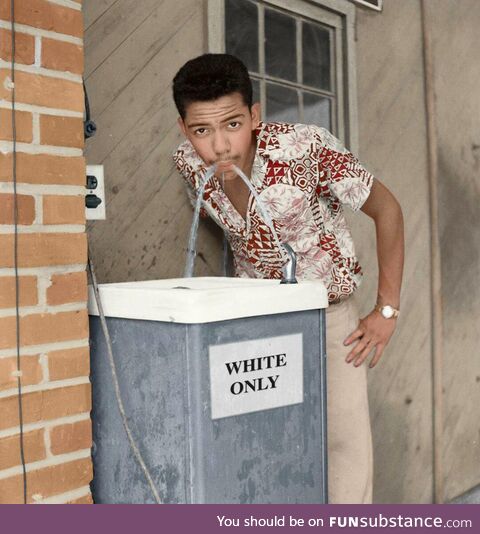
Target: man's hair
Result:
[209, 77]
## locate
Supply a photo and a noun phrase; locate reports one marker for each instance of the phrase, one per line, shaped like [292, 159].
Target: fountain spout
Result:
[288, 270]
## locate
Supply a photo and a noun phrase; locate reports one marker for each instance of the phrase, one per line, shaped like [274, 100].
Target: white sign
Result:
[249, 376]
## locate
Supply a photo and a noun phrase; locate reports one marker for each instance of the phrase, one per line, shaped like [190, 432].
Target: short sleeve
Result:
[346, 178]
[188, 174]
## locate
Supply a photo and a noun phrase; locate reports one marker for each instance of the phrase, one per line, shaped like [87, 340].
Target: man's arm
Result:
[374, 331]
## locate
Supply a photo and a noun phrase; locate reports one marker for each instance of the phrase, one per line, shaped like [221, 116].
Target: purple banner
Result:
[210, 518]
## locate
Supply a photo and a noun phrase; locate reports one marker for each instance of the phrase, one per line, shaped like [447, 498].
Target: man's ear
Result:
[256, 113]
[182, 126]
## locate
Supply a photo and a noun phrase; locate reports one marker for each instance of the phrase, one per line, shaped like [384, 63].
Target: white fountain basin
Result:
[206, 299]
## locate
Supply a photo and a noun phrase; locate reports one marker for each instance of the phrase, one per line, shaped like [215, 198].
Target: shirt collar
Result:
[267, 141]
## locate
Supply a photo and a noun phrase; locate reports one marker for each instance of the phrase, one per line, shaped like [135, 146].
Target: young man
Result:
[304, 177]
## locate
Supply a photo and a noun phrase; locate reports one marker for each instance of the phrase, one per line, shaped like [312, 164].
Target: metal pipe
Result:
[290, 267]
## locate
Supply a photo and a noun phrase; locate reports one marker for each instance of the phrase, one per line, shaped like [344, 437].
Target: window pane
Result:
[316, 56]
[256, 90]
[316, 110]
[241, 31]
[282, 104]
[280, 45]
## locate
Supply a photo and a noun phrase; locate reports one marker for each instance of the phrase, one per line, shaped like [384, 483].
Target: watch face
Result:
[387, 312]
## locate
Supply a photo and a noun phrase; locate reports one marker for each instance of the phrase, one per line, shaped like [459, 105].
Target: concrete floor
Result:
[470, 497]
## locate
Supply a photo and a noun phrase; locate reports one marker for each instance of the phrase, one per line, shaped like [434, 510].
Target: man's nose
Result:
[220, 144]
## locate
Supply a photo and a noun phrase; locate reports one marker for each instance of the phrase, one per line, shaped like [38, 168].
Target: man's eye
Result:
[200, 131]
[234, 124]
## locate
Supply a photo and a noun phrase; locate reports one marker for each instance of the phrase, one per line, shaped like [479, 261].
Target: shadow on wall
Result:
[391, 441]
[459, 236]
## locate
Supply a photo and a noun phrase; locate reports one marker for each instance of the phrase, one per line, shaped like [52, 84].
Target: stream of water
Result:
[191, 250]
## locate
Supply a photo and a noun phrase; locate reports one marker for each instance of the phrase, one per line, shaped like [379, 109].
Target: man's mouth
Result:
[225, 170]
[225, 163]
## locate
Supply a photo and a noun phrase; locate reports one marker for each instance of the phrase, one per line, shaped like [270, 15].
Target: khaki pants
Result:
[350, 460]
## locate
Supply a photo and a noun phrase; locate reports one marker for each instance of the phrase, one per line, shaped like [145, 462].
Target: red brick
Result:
[43, 90]
[27, 291]
[41, 328]
[33, 448]
[63, 209]
[62, 56]
[25, 211]
[23, 126]
[24, 47]
[61, 131]
[71, 437]
[47, 482]
[69, 363]
[71, 400]
[45, 15]
[87, 499]
[46, 405]
[65, 288]
[44, 169]
[41, 250]
[29, 366]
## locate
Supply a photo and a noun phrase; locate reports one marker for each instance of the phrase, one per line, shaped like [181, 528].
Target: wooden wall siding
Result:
[133, 50]
[392, 140]
[457, 79]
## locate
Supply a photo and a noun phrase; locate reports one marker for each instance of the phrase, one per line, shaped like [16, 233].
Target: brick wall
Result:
[52, 256]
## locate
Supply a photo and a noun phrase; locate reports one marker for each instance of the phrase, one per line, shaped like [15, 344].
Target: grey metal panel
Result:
[150, 363]
[269, 456]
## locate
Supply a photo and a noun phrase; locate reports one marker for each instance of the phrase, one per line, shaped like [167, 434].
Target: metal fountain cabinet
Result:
[224, 386]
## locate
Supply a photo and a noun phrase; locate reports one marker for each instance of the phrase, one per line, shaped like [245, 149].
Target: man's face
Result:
[221, 132]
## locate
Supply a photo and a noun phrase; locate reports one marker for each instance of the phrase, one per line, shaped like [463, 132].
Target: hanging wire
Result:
[116, 385]
[15, 255]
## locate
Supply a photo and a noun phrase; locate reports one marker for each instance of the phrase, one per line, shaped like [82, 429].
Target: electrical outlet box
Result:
[99, 212]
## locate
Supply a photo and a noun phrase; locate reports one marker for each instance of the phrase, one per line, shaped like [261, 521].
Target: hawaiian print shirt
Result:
[303, 176]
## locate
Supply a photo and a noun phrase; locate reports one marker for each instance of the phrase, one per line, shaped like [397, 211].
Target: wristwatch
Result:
[388, 311]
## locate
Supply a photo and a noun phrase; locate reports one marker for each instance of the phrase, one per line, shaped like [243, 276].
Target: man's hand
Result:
[373, 332]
